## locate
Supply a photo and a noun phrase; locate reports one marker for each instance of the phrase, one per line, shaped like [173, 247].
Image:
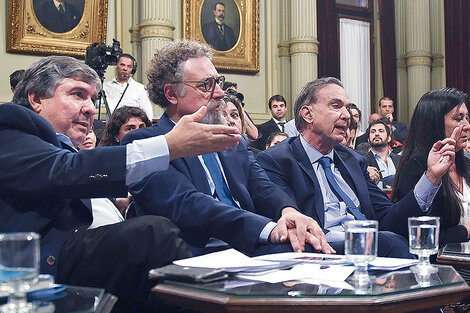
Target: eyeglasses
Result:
[208, 83]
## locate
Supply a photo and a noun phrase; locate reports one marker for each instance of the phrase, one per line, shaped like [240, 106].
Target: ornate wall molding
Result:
[418, 59]
[303, 46]
[161, 29]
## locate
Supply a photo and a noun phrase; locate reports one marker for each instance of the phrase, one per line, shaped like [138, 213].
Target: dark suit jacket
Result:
[410, 175]
[371, 161]
[287, 165]
[265, 130]
[214, 37]
[50, 18]
[182, 194]
[44, 188]
[399, 131]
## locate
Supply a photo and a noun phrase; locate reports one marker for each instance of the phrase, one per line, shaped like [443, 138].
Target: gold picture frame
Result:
[239, 55]
[26, 33]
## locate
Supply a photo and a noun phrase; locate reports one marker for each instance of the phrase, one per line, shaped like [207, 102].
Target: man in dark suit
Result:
[278, 107]
[379, 155]
[330, 182]
[386, 109]
[218, 34]
[213, 197]
[46, 188]
[58, 16]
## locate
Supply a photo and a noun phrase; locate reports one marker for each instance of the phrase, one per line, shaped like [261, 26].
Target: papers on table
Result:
[231, 260]
[304, 271]
[297, 266]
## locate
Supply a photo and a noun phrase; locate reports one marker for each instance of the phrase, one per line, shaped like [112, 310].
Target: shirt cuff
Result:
[146, 156]
[425, 192]
[264, 236]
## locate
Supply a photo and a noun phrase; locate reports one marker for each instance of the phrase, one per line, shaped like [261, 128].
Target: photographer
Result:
[123, 90]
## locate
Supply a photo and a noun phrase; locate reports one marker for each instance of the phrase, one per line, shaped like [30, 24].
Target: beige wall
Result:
[252, 86]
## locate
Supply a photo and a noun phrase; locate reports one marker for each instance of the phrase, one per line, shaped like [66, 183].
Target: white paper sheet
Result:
[305, 271]
[229, 259]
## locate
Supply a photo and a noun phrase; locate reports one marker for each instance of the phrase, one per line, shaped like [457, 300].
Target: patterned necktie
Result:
[221, 29]
[342, 196]
[221, 188]
[282, 125]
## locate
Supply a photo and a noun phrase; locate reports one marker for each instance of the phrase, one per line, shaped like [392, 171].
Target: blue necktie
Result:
[221, 188]
[342, 196]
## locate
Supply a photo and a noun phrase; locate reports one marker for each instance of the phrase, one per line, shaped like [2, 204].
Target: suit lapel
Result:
[230, 163]
[196, 171]
[304, 163]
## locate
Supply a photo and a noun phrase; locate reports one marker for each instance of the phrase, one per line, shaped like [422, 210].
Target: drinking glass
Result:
[360, 247]
[19, 268]
[424, 241]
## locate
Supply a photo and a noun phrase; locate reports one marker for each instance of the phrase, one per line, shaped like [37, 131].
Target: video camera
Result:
[99, 56]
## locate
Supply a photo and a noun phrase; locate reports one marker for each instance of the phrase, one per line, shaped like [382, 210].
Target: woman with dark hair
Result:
[439, 114]
[234, 113]
[122, 121]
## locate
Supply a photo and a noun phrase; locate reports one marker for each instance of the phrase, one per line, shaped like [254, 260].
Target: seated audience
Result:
[438, 114]
[15, 78]
[278, 108]
[122, 121]
[330, 182]
[379, 156]
[394, 145]
[251, 129]
[350, 134]
[215, 199]
[46, 185]
[386, 109]
[356, 115]
[363, 138]
[290, 129]
[90, 141]
[275, 138]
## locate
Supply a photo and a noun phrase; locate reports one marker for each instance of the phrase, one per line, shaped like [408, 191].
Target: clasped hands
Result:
[299, 229]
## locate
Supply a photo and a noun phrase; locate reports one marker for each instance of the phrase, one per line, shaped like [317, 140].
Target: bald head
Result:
[374, 117]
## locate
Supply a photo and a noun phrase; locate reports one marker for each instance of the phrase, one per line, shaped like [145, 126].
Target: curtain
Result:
[327, 33]
[457, 34]
[388, 50]
[355, 64]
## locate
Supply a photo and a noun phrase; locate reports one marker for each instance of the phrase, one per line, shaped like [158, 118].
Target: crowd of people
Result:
[204, 177]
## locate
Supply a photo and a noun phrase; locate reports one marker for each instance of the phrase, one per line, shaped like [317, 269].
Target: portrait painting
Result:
[64, 27]
[230, 27]
[220, 22]
[59, 16]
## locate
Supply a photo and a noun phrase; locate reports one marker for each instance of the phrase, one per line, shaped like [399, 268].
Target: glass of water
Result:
[360, 247]
[424, 242]
[19, 268]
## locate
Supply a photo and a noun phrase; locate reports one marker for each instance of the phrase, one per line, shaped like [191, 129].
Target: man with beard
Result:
[379, 155]
[218, 34]
[215, 199]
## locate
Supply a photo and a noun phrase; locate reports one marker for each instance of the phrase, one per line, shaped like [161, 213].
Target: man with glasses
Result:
[215, 199]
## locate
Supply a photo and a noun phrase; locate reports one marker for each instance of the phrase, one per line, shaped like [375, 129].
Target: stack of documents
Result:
[280, 267]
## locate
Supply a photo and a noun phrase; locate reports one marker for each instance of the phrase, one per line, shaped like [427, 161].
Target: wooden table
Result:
[392, 292]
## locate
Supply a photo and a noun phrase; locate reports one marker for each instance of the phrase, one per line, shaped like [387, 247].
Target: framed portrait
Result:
[230, 27]
[65, 27]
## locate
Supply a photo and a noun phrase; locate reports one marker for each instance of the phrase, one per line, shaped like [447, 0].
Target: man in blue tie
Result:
[219, 198]
[330, 182]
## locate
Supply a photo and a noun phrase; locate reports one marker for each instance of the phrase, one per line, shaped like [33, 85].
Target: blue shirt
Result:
[335, 210]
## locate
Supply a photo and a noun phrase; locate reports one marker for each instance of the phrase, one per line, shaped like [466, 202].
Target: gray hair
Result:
[44, 75]
[166, 67]
[308, 95]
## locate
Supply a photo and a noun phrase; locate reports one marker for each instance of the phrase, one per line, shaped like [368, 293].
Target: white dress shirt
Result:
[135, 95]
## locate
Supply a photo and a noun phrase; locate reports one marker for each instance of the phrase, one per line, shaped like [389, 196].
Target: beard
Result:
[215, 117]
[378, 144]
